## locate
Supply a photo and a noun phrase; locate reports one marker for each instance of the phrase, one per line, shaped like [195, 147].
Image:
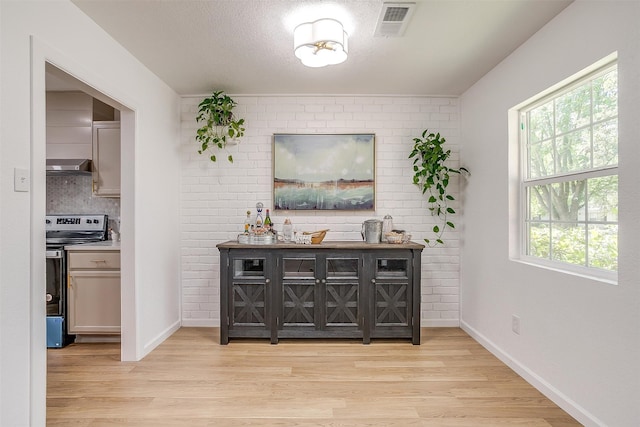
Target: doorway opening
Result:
[85, 123]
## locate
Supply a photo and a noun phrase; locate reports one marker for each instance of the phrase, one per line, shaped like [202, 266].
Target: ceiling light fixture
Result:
[320, 43]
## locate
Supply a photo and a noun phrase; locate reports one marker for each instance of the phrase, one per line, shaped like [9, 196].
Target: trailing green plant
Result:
[431, 175]
[219, 124]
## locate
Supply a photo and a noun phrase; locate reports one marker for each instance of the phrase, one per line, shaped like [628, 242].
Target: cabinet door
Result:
[391, 296]
[319, 295]
[94, 302]
[249, 301]
[69, 125]
[106, 159]
[299, 307]
[342, 291]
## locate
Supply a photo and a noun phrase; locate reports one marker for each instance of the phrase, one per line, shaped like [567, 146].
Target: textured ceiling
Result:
[245, 46]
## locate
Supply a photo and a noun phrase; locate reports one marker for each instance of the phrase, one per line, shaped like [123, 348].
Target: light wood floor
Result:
[190, 380]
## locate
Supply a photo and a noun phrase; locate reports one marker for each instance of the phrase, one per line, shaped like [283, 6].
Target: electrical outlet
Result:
[515, 324]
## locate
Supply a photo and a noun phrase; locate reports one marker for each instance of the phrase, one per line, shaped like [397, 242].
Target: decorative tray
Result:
[251, 239]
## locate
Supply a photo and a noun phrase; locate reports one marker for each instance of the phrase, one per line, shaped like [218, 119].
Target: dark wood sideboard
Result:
[339, 289]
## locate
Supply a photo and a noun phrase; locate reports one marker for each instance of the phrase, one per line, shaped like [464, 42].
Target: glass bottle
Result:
[259, 220]
[267, 221]
[387, 226]
[287, 230]
[252, 234]
[247, 223]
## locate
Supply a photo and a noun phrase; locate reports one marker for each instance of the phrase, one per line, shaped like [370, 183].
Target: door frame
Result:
[101, 88]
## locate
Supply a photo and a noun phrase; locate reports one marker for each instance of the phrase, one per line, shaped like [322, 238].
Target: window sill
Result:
[609, 278]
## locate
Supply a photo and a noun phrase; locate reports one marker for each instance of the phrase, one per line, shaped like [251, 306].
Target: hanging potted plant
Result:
[432, 175]
[219, 125]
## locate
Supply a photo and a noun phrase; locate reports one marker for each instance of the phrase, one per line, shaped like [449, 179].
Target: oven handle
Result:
[54, 253]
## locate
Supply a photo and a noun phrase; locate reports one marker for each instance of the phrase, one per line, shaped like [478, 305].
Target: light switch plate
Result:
[20, 179]
[515, 324]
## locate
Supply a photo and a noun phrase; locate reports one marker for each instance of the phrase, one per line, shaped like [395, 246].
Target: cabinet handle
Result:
[267, 281]
[373, 281]
[99, 260]
[317, 281]
[324, 280]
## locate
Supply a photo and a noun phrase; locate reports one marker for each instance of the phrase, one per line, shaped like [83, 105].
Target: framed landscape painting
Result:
[324, 172]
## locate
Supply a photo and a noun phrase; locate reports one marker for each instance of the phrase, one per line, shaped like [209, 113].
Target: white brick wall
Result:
[215, 196]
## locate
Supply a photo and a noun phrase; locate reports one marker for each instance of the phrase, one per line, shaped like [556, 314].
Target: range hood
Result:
[68, 167]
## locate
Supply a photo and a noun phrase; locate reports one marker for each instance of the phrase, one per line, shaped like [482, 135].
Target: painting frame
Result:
[324, 172]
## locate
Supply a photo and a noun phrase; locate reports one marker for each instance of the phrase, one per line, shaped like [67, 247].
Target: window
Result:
[569, 146]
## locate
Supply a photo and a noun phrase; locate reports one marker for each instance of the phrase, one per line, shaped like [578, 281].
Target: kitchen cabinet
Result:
[329, 290]
[106, 159]
[69, 118]
[94, 292]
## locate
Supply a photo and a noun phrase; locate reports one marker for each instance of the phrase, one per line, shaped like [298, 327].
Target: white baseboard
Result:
[556, 396]
[200, 323]
[440, 323]
[148, 347]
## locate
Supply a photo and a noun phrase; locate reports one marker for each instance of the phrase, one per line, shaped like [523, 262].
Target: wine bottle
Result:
[267, 221]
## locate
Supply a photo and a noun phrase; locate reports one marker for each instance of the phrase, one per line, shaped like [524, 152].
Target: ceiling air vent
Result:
[394, 18]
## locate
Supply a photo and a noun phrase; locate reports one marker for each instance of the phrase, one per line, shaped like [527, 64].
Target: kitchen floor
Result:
[191, 380]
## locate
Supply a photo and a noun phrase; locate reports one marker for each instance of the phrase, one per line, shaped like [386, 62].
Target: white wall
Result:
[579, 340]
[57, 31]
[216, 196]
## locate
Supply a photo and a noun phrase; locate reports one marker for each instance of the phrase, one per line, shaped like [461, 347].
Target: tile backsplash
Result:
[71, 194]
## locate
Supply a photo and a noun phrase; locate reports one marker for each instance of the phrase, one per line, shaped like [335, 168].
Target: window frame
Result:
[526, 181]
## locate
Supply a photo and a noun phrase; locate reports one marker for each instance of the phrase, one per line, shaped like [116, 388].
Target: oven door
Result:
[56, 276]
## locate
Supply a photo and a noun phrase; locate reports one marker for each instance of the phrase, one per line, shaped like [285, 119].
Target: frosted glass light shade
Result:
[320, 43]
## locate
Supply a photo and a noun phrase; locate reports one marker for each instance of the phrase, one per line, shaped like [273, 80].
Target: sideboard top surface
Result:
[335, 244]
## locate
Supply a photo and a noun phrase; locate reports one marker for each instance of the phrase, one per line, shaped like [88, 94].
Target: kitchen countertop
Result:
[107, 245]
